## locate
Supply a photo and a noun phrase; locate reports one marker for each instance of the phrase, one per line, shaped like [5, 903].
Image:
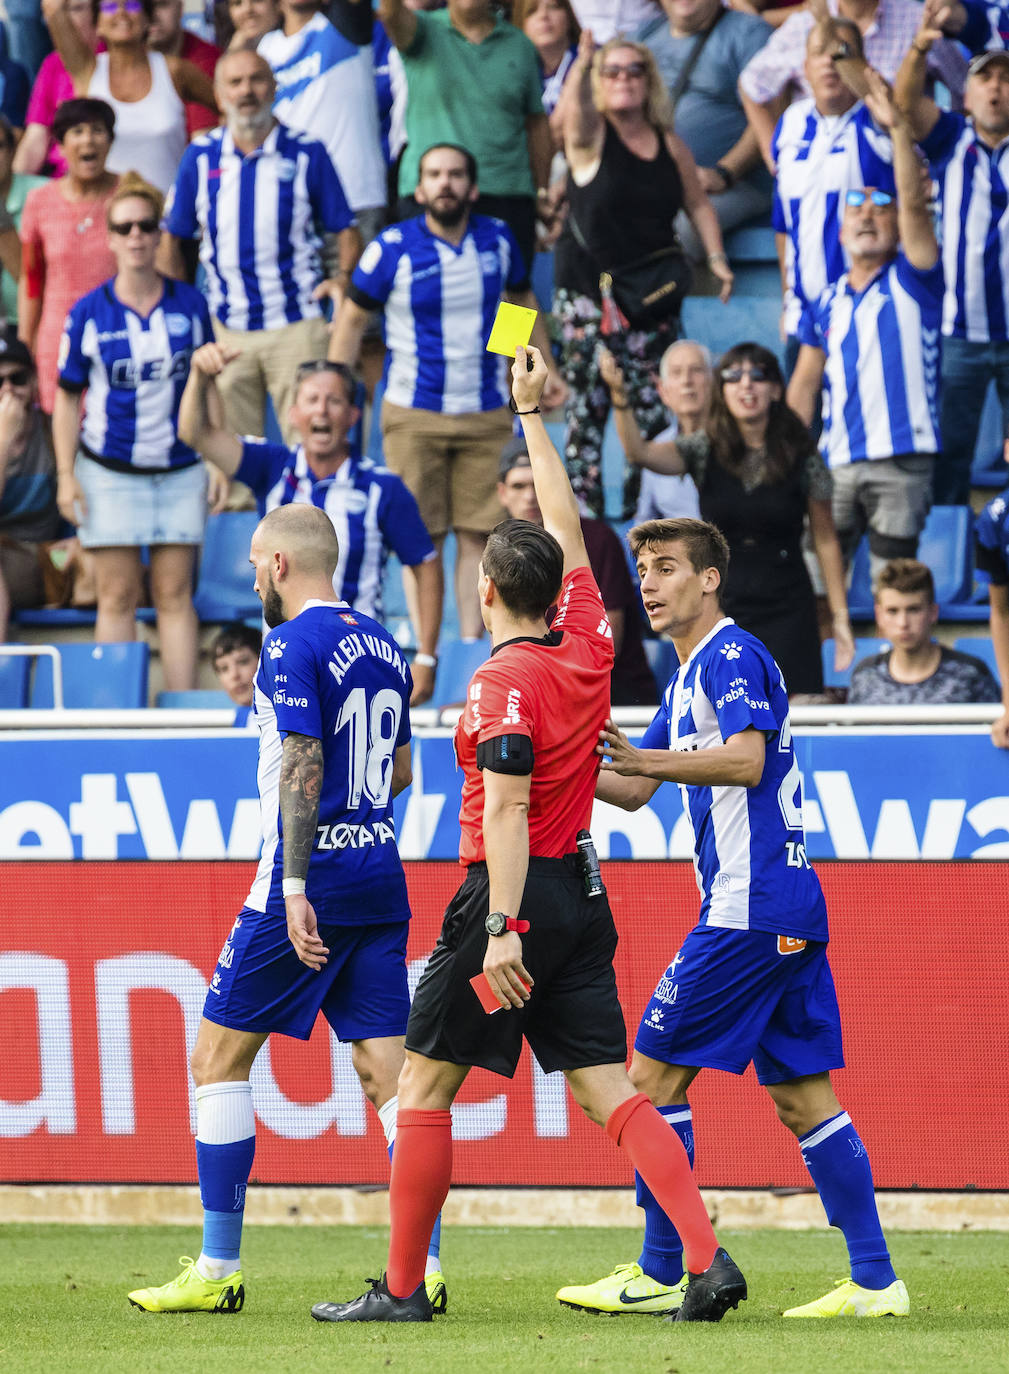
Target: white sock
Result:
[432, 1266]
[212, 1268]
[387, 1116]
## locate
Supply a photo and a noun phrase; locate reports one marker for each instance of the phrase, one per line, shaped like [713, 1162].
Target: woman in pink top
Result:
[38, 151]
[64, 243]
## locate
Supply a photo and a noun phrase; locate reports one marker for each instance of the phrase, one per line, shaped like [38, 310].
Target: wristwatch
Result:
[495, 923]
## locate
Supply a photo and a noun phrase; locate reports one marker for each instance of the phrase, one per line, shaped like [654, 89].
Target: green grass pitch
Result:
[63, 1307]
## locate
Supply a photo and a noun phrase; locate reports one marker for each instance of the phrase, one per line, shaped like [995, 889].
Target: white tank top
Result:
[150, 133]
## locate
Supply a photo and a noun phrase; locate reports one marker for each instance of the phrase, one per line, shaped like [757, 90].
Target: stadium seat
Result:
[373, 449]
[71, 617]
[194, 701]
[95, 676]
[224, 586]
[989, 468]
[945, 545]
[542, 278]
[981, 647]
[741, 319]
[14, 673]
[864, 648]
[457, 662]
[860, 606]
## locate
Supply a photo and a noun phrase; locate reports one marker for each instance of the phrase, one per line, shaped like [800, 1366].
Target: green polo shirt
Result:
[478, 95]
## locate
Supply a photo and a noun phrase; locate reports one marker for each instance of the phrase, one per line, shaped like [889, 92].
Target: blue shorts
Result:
[130, 509]
[732, 996]
[261, 985]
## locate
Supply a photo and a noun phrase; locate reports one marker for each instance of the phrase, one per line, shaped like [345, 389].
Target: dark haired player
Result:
[324, 927]
[522, 928]
[751, 980]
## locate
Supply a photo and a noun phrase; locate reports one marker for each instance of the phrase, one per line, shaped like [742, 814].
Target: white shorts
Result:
[129, 510]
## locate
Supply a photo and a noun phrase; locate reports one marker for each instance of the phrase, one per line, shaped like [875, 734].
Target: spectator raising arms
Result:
[64, 242]
[38, 150]
[146, 90]
[166, 35]
[630, 177]
[127, 480]
[759, 476]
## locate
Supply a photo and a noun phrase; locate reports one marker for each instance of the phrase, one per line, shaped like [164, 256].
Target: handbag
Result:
[647, 290]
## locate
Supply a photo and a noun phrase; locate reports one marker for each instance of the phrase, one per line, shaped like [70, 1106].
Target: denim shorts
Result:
[127, 509]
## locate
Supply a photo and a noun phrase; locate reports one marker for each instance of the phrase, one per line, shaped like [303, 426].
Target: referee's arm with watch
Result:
[506, 845]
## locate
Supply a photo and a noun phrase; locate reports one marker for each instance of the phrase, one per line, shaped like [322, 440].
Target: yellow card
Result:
[513, 325]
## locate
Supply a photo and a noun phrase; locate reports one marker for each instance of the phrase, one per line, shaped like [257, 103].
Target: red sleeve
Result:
[498, 705]
[580, 611]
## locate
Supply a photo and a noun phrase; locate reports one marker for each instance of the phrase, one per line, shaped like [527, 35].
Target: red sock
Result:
[421, 1174]
[659, 1157]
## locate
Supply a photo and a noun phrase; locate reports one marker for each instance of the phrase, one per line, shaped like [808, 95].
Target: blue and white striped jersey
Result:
[326, 88]
[335, 675]
[440, 303]
[992, 541]
[973, 182]
[259, 218]
[986, 28]
[135, 371]
[749, 842]
[371, 509]
[819, 158]
[881, 381]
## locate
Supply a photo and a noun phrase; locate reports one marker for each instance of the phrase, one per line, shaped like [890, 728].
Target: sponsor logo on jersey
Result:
[788, 944]
[731, 650]
[345, 836]
[511, 715]
[275, 648]
[282, 699]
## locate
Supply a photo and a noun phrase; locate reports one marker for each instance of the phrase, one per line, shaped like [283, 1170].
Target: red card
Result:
[486, 995]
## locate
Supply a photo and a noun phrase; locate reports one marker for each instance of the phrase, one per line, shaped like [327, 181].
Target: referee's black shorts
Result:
[573, 1018]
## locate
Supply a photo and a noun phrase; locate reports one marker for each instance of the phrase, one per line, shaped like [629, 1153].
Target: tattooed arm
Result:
[300, 786]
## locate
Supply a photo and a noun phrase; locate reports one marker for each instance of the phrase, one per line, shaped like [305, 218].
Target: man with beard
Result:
[968, 155]
[276, 237]
[370, 508]
[324, 927]
[439, 279]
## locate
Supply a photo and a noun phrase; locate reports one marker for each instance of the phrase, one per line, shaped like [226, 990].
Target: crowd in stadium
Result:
[252, 255]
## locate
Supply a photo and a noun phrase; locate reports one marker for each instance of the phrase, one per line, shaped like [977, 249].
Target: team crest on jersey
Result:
[286, 169]
[731, 650]
[177, 324]
[685, 700]
[489, 263]
[276, 648]
[348, 618]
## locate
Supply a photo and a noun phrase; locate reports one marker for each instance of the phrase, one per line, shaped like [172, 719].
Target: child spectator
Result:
[235, 655]
[917, 671]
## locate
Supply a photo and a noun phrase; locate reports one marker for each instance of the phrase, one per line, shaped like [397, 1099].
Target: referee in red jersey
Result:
[523, 929]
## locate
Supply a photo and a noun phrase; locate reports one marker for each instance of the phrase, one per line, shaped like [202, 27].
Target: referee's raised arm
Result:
[553, 489]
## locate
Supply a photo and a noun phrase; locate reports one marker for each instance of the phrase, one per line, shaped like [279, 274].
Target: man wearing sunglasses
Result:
[823, 146]
[871, 341]
[968, 156]
[370, 508]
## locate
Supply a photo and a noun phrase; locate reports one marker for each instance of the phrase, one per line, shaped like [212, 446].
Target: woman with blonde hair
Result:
[618, 274]
[124, 477]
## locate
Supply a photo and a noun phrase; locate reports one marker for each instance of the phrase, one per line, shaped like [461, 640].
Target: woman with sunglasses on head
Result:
[759, 476]
[630, 177]
[64, 243]
[147, 90]
[125, 478]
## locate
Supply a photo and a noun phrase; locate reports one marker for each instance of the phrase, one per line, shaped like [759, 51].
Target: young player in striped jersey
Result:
[324, 927]
[751, 981]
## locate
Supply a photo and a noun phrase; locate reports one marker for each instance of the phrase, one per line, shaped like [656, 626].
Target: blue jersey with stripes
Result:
[749, 843]
[337, 676]
[973, 182]
[135, 370]
[986, 28]
[992, 541]
[440, 300]
[371, 509]
[259, 217]
[881, 379]
[820, 157]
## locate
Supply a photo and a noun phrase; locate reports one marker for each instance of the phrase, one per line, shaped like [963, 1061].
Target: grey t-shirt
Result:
[28, 499]
[959, 678]
[709, 114]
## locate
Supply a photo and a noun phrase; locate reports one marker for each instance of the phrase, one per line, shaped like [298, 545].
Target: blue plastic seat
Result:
[864, 648]
[945, 545]
[457, 662]
[14, 673]
[979, 646]
[194, 701]
[662, 659]
[224, 587]
[96, 676]
[742, 319]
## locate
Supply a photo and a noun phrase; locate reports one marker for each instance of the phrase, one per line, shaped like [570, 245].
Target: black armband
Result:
[506, 754]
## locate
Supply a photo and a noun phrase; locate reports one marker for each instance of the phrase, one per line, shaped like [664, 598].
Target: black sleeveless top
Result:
[625, 211]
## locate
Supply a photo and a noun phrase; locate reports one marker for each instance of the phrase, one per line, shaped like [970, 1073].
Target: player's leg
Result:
[221, 1062]
[801, 1043]
[656, 1281]
[607, 1096]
